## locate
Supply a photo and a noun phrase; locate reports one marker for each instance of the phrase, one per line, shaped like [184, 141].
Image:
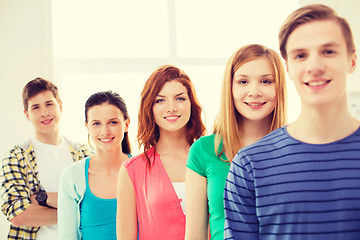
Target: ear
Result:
[353, 59]
[127, 123]
[27, 115]
[60, 105]
[86, 125]
[287, 66]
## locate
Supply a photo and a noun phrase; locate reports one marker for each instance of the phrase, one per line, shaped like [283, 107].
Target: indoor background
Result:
[85, 46]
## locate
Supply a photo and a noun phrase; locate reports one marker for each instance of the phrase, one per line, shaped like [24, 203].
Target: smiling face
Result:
[44, 112]
[172, 107]
[253, 89]
[106, 126]
[318, 62]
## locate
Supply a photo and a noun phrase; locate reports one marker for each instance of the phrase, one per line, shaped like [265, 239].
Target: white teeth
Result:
[317, 83]
[255, 104]
[106, 140]
[171, 118]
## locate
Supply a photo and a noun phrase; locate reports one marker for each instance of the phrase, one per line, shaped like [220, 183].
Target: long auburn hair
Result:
[148, 130]
[228, 124]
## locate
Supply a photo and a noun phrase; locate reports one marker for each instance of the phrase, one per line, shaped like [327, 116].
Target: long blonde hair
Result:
[228, 123]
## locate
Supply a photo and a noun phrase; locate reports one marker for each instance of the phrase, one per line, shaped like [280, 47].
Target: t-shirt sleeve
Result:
[240, 202]
[195, 159]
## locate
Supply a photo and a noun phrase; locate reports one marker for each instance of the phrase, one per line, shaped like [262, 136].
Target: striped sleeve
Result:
[239, 200]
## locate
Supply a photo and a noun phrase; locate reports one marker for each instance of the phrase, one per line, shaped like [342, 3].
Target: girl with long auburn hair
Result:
[252, 105]
[151, 186]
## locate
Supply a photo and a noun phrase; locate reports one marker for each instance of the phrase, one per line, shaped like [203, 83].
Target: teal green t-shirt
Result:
[203, 160]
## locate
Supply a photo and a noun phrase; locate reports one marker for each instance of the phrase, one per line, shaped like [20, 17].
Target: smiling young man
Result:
[302, 181]
[31, 171]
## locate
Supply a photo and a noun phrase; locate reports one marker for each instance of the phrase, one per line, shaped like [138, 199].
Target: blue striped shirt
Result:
[281, 188]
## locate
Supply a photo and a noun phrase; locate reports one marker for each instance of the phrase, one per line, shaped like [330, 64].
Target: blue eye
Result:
[113, 122]
[181, 99]
[159, 100]
[267, 81]
[96, 124]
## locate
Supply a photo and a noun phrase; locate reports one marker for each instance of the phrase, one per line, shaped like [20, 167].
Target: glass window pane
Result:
[217, 28]
[110, 28]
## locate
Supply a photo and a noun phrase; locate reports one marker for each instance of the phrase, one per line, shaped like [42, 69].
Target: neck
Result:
[254, 130]
[110, 158]
[323, 124]
[53, 139]
[172, 142]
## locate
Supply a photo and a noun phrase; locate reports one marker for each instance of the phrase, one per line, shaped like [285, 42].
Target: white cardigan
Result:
[71, 193]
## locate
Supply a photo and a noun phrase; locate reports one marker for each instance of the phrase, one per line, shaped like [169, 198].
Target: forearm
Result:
[52, 199]
[196, 207]
[126, 217]
[35, 216]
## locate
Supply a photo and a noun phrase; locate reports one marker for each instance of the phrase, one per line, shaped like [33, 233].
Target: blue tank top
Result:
[97, 215]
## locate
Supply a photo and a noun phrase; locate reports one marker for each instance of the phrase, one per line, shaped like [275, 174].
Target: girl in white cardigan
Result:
[87, 194]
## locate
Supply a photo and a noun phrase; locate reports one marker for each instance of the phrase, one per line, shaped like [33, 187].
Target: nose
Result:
[315, 65]
[44, 112]
[105, 130]
[172, 107]
[254, 89]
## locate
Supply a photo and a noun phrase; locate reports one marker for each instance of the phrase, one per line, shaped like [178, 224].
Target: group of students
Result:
[254, 177]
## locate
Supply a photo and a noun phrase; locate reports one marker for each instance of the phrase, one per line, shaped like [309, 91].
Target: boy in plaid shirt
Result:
[30, 171]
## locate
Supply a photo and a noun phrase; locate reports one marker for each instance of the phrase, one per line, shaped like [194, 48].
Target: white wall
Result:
[24, 55]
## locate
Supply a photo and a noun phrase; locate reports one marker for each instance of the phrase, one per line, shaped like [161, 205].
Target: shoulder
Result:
[19, 150]
[276, 137]
[204, 143]
[73, 179]
[24, 146]
[135, 161]
[137, 167]
[78, 148]
[73, 183]
[206, 139]
[266, 146]
[354, 137]
[75, 171]
[202, 157]
[75, 145]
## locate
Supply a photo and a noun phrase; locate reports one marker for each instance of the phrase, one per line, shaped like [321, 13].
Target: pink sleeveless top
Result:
[158, 208]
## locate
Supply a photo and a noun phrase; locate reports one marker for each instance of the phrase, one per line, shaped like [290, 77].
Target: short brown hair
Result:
[310, 13]
[37, 86]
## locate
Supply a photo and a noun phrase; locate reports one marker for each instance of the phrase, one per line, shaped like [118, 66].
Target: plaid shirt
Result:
[19, 180]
